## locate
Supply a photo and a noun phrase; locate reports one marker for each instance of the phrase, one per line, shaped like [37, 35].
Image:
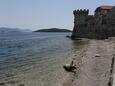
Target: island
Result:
[53, 30]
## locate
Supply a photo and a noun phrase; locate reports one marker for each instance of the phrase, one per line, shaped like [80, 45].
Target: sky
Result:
[42, 14]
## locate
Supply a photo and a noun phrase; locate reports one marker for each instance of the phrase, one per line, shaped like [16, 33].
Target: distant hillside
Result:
[12, 30]
[53, 30]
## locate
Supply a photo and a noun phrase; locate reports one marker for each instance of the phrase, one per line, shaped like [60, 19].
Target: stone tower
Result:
[80, 21]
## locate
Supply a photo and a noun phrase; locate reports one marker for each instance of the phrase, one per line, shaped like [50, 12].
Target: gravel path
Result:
[93, 64]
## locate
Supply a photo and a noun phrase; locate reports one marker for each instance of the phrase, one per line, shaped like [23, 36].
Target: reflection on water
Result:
[35, 59]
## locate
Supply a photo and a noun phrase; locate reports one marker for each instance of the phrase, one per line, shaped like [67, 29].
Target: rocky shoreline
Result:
[93, 64]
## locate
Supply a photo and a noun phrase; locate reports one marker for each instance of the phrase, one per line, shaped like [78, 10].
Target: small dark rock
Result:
[21, 85]
[2, 83]
[68, 36]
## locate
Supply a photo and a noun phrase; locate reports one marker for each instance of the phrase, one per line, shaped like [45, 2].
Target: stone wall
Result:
[93, 26]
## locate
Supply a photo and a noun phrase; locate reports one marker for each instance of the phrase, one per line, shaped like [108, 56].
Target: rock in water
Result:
[69, 67]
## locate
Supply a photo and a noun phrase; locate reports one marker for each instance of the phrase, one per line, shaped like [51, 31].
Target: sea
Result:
[35, 58]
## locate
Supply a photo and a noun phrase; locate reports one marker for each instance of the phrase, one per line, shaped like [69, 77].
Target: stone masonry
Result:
[101, 25]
